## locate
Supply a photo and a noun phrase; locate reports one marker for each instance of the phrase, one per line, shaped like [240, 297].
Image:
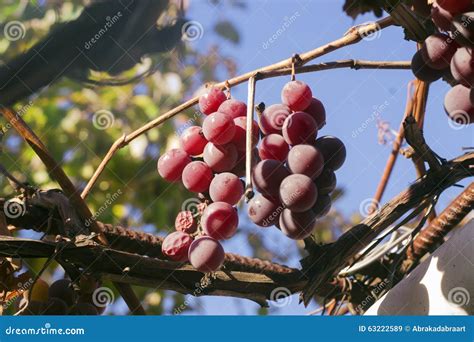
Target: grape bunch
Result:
[449, 52]
[293, 172]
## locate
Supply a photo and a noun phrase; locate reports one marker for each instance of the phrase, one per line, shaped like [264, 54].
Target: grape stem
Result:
[249, 138]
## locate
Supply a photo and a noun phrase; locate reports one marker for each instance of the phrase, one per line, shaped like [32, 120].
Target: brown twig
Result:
[249, 137]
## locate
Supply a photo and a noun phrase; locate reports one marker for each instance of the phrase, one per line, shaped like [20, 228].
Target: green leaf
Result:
[227, 30]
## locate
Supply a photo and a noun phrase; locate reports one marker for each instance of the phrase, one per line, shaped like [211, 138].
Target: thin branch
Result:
[249, 137]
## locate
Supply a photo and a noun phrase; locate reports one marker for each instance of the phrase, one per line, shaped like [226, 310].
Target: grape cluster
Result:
[449, 52]
[60, 298]
[293, 172]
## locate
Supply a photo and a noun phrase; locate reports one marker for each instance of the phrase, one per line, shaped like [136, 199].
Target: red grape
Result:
[233, 108]
[220, 220]
[226, 187]
[307, 160]
[268, 175]
[297, 226]
[220, 158]
[273, 117]
[326, 182]
[299, 128]
[273, 146]
[193, 141]
[462, 67]
[218, 128]
[63, 290]
[322, 206]
[441, 17]
[422, 71]
[317, 111]
[437, 51]
[206, 254]
[264, 212]
[239, 169]
[298, 193]
[463, 29]
[197, 176]
[172, 163]
[176, 246]
[458, 106]
[210, 102]
[241, 133]
[297, 95]
[454, 6]
[185, 222]
[333, 150]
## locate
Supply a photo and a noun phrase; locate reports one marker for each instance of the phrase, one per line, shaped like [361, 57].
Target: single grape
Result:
[220, 220]
[273, 146]
[239, 169]
[317, 111]
[172, 163]
[454, 6]
[220, 158]
[463, 29]
[206, 254]
[322, 206]
[326, 182]
[298, 193]
[63, 290]
[226, 187]
[437, 51]
[297, 95]
[264, 212]
[441, 17]
[211, 100]
[83, 309]
[333, 150]
[299, 128]
[55, 307]
[462, 67]
[422, 71]
[197, 176]
[233, 108]
[185, 222]
[273, 117]
[268, 175]
[458, 106]
[218, 128]
[176, 246]
[306, 160]
[297, 226]
[39, 291]
[193, 141]
[241, 133]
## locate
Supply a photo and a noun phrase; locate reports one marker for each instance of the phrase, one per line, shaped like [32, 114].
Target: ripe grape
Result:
[317, 111]
[185, 222]
[83, 309]
[298, 193]
[226, 187]
[297, 95]
[206, 254]
[422, 71]
[193, 141]
[322, 206]
[239, 169]
[176, 246]
[326, 182]
[299, 128]
[264, 212]
[63, 290]
[441, 17]
[210, 102]
[437, 51]
[172, 163]
[268, 175]
[458, 106]
[218, 128]
[39, 291]
[220, 220]
[333, 150]
[273, 117]
[233, 108]
[273, 146]
[297, 226]
[454, 6]
[220, 158]
[463, 29]
[462, 67]
[55, 307]
[306, 160]
[197, 176]
[241, 133]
